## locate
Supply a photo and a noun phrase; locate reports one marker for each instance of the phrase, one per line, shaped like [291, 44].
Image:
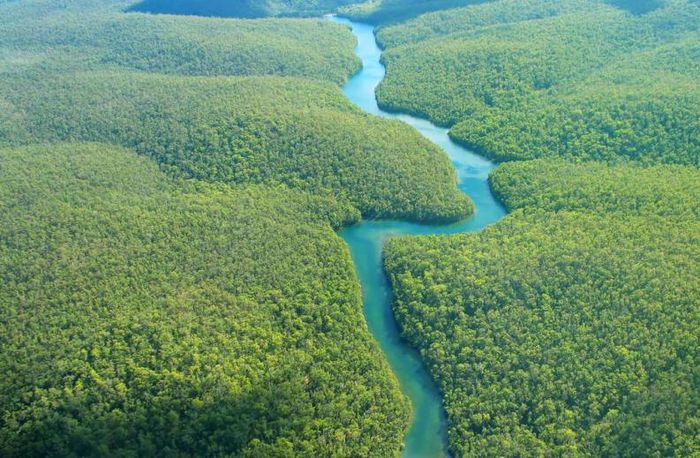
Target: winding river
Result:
[427, 436]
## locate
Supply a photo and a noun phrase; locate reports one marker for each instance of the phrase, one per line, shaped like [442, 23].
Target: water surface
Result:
[427, 436]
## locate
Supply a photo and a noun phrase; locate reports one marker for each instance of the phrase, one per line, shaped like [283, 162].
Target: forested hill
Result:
[170, 280]
[78, 36]
[570, 78]
[570, 327]
[383, 12]
[244, 130]
[373, 11]
[149, 317]
[241, 8]
[556, 185]
[391, 11]
[70, 76]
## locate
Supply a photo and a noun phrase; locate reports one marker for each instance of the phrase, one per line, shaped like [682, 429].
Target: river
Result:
[427, 436]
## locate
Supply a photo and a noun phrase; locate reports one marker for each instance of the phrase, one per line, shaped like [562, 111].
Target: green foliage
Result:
[391, 11]
[573, 78]
[169, 314]
[470, 20]
[66, 78]
[186, 46]
[571, 327]
[245, 130]
[615, 114]
[241, 8]
[147, 317]
[592, 187]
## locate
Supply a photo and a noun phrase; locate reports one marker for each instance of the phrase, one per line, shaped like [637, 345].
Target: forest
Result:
[147, 316]
[171, 283]
[171, 187]
[379, 12]
[241, 8]
[244, 130]
[570, 328]
[573, 78]
[384, 12]
[42, 38]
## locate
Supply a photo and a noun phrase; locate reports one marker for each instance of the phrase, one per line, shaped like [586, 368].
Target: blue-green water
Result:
[427, 436]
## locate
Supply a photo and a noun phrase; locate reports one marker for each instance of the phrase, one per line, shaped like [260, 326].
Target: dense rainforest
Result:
[570, 328]
[241, 8]
[40, 36]
[383, 12]
[299, 132]
[371, 11]
[244, 130]
[170, 279]
[574, 78]
[171, 282]
[145, 316]
[391, 11]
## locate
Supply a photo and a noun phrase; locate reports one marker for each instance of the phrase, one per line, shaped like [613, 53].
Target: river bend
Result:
[427, 436]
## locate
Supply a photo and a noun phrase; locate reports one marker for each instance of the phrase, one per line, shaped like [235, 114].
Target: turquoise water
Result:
[427, 436]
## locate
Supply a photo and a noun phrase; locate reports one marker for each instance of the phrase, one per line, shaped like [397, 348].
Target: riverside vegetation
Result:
[244, 130]
[582, 79]
[147, 316]
[570, 327]
[171, 283]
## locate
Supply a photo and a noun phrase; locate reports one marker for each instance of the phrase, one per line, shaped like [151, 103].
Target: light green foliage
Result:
[593, 187]
[147, 317]
[246, 130]
[519, 80]
[182, 45]
[242, 8]
[391, 11]
[571, 327]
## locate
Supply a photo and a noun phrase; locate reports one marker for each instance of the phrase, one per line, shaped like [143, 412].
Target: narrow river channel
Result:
[427, 436]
